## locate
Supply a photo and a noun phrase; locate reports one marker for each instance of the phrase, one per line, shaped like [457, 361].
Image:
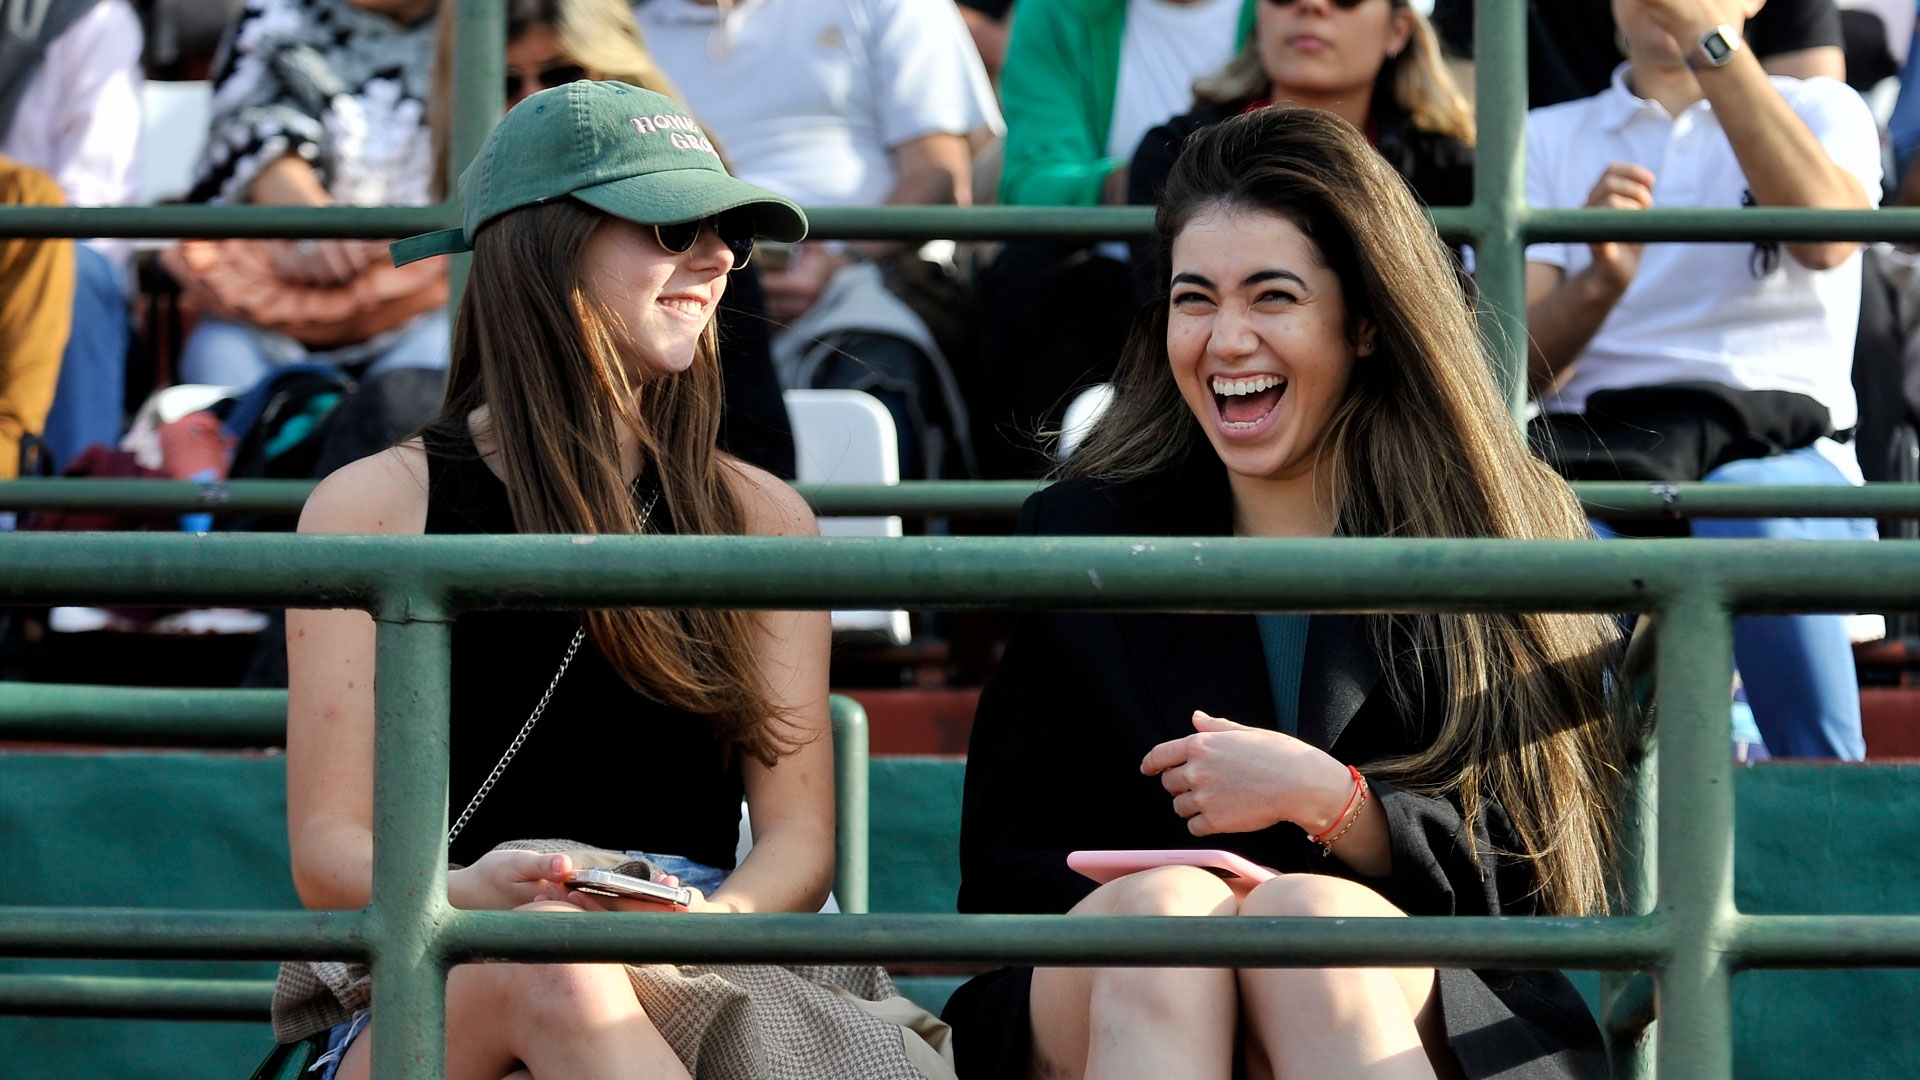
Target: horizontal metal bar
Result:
[170, 934]
[959, 573]
[142, 716]
[360, 222]
[980, 498]
[1758, 941]
[1014, 223]
[283, 497]
[1629, 499]
[1039, 223]
[920, 498]
[937, 498]
[1816, 941]
[1787, 224]
[135, 997]
[1054, 940]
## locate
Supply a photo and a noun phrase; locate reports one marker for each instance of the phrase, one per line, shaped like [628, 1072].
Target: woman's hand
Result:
[503, 880]
[595, 902]
[1230, 778]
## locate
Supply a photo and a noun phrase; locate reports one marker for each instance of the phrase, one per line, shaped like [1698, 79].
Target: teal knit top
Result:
[1284, 639]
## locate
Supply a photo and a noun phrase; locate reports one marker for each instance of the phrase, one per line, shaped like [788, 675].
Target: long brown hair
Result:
[536, 348]
[1416, 83]
[1422, 445]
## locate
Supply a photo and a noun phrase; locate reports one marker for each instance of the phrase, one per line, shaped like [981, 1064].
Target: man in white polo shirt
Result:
[1722, 362]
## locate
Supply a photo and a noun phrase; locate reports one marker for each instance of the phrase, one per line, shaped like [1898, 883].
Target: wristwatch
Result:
[1715, 47]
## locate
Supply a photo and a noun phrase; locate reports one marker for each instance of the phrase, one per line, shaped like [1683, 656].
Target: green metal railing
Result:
[1689, 935]
[978, 498]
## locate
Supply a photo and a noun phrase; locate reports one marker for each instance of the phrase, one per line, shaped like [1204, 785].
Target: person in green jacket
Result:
[1057, 91]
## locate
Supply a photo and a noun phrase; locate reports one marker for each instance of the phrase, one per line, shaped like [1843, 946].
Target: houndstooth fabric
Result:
[726, 1022]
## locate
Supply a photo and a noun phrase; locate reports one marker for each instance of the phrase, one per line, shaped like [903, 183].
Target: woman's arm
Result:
[790, 867]
[330, 690]
[1230, 778]
[330, 670]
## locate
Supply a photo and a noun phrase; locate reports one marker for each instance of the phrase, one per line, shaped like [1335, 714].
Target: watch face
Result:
[1716, 48]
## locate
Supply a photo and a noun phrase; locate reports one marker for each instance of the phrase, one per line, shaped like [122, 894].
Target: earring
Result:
[1366, 348]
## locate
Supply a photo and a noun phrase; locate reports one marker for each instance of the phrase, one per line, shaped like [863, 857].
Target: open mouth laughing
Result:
[1243, 404]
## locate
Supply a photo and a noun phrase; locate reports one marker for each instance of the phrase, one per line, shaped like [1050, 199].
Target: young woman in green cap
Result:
[583, 397]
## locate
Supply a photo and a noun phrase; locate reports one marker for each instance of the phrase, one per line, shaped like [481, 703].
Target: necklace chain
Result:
[526, 729]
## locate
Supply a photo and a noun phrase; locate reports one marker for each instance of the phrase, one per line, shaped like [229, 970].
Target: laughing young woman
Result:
[1312, 371]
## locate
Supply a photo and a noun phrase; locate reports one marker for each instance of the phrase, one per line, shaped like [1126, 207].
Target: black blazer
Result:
[1079, 699]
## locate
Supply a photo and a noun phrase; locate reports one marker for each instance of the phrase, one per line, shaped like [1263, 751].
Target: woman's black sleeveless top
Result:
[605, 766]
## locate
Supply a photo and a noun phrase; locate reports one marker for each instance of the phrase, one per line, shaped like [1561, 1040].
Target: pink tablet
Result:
[1105, 866]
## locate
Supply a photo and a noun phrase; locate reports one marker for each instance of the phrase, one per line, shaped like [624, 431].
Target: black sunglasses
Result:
[734, 228]
[558, 73]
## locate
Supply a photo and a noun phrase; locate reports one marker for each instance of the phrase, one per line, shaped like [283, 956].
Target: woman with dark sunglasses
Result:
[1374, 63]
[554, 42]
[584, 398]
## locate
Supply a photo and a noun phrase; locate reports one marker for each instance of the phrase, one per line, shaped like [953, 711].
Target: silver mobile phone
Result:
[608, 883]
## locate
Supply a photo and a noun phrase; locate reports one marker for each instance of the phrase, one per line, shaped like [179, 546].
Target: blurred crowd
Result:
[1756, 363]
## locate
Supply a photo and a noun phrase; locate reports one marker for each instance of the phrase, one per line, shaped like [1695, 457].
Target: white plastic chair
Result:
[173, 133]
[848, 437]
[1082, 412]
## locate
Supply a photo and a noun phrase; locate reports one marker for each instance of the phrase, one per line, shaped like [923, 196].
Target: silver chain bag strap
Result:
[526, 729]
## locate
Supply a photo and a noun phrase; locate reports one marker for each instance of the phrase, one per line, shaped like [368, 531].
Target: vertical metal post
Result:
[413, 659]
[479, 64]
[850, 784]
[1500, 188]
[1626, 997]
[1623, 994]
[1695, 867]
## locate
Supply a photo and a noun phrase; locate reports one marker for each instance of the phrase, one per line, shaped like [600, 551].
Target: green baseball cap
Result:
[630, 152]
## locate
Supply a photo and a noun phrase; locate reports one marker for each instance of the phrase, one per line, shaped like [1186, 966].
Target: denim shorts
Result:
[700, 876]
[338, 1040]
[697, 875]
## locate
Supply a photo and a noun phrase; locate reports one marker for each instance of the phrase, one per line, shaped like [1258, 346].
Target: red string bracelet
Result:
[1359, 796]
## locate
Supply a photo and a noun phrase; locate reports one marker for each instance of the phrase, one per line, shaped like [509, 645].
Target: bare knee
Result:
[549, 996]
[1164, 890]
[1316, 895]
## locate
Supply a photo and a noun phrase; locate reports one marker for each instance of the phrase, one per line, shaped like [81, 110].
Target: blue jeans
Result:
[225, 353]
[88, 398]
[1798, 669]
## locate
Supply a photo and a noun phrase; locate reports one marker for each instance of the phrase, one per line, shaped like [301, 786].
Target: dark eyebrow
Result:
[1255, 278]
[1273, 275]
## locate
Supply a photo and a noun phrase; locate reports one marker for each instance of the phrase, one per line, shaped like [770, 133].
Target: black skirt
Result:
[1516, 1025]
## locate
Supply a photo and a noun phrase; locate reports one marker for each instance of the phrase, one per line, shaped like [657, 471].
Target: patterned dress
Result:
[342, 87]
